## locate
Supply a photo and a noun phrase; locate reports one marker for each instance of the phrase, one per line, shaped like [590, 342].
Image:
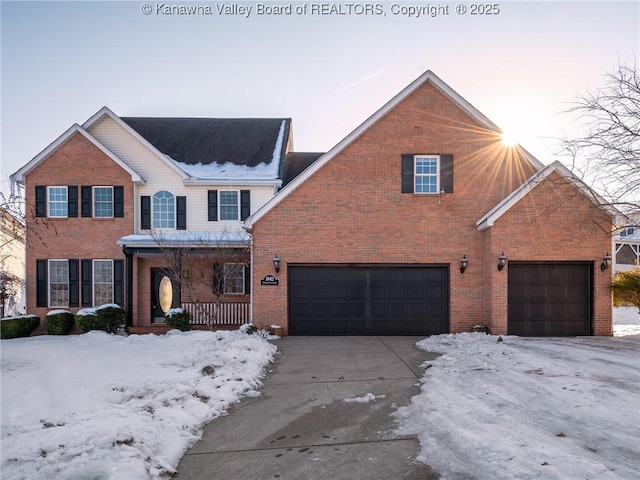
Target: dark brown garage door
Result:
[368, 300]
[550, 299]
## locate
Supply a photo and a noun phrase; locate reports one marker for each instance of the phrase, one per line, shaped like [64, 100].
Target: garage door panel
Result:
[368, 300]
[549, 299]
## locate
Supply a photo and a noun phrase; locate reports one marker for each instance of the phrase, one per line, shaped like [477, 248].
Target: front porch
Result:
[223, 316]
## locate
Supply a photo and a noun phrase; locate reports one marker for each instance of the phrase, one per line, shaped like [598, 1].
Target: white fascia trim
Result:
[106, 111]
[19, 176]
[240, 182]
[488, 220]
[428, 76]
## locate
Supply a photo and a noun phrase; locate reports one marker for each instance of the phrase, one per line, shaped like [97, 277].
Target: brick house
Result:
[398, 229]
[421, 221]
[136, 208]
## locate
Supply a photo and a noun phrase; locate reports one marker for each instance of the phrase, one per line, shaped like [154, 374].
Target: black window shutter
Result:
[245, 204]
[85, 201]
[86, 281]
[72, 201]
[145, 212]
[74, 282]
[247, 279]
[446, 173]
[212, 203]
[118, 202]
[41, 283]
[218, 279]
[118, 282]
[407, 172]
[41, 203]
[181, 213]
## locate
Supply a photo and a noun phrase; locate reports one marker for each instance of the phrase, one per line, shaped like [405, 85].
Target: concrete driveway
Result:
[301, 428]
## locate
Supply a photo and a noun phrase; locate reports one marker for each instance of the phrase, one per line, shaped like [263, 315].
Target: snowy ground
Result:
[529, 408]
[99, 406]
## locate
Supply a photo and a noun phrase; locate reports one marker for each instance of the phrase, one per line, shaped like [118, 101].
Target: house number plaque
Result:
[269, 280]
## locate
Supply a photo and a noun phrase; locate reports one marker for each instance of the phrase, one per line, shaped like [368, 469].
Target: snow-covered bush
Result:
[59, 322]
[21, 326]
[107, 318]
[86, 319]
[178, 318]
[110, 317]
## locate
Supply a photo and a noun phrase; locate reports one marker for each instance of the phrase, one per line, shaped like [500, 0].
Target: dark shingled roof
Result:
[243, 141]
[296, 163]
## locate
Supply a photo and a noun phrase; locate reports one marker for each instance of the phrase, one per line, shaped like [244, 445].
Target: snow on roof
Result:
[185, 239]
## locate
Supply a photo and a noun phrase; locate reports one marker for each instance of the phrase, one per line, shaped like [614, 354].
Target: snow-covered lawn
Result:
[106, 407]
[525, 408]
[99, 406]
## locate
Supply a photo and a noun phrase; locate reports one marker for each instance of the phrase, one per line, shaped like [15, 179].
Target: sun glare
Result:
[509, 139]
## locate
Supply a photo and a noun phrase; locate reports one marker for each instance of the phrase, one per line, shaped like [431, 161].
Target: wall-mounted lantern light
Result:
[276, 263]
[502, 261]
[606, 262]
[464, 263]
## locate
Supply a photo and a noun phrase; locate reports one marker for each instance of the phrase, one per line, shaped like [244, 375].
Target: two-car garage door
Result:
[368, 300]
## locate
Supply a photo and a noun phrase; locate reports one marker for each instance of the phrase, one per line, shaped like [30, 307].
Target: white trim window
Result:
[164, 210]
[427, 174]
[103, 202]
[229, 205]
[58, 283]
[234, 278]
[57, 202]
[102, 282]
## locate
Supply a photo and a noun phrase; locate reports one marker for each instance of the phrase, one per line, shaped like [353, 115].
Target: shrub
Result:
[178, 318]
[110, 317]
[59, 322]
[16, 327]
[107, 318]
[626, 288]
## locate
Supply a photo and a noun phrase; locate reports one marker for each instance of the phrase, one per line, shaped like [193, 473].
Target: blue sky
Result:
[63, 61]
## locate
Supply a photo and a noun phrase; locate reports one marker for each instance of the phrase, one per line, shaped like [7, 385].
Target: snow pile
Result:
[528, 408]
[109, 407]
[369, 397]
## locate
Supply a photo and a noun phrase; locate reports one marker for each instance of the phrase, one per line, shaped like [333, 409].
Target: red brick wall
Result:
[554, 222]
[76, 162]
[352, 211]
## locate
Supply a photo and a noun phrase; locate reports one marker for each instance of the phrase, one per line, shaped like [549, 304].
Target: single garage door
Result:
[550, 299]
[368, 300]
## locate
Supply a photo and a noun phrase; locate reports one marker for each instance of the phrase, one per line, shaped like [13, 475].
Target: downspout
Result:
[129, 274]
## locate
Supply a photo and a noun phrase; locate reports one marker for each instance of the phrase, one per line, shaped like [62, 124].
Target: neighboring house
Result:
[123, 195]
[627, 247]
[12, 264]
[421, 221]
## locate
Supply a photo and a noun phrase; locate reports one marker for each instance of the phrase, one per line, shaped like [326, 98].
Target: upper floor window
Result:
[103, 202]
[427, 177]
[164, 210]
[57, 202]
[229, 205]
[426, 173]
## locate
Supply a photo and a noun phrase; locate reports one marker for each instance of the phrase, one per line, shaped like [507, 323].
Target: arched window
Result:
[164, 210]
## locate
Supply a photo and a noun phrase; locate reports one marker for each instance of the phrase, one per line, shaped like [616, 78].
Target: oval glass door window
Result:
[165, 294]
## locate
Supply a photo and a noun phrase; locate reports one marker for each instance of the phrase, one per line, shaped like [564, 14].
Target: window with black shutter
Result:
[72, 201]
[41, 201]
[426, 173]
[85, 201]
[212, 205]
[118, 202]
[245, 204]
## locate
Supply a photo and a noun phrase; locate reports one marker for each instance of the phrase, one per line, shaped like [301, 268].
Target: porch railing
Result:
[230, 313]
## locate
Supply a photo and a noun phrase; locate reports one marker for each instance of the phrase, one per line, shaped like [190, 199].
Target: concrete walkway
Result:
[302, 429]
